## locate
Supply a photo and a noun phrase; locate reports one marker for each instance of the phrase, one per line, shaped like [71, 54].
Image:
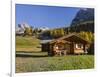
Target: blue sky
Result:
[45, 16]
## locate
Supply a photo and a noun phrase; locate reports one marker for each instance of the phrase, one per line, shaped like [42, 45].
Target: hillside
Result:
[27, 44]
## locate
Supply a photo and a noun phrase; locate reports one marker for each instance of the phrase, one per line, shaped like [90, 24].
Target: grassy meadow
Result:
[36, 64]
[30, 58]
[27, 44]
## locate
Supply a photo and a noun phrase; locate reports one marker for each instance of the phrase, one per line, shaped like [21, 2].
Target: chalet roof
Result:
[59, 41]
[45, 41]
[74, 38]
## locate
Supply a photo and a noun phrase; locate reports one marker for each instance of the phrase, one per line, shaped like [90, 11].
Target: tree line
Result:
[56, 33]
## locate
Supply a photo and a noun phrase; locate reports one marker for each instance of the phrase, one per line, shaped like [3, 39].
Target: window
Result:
[79, 46]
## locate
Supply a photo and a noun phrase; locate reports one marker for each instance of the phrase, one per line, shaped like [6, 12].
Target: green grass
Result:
[26, 41]
[27, 44]
[70, 62]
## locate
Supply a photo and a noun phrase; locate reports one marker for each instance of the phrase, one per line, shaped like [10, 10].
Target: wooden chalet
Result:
[70, 44]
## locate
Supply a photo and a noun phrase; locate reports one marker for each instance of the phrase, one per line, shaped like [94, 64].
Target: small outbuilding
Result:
[69, 44]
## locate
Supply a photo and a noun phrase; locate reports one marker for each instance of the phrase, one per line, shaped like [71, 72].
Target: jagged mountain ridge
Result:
[20, 28]
[83, 15]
